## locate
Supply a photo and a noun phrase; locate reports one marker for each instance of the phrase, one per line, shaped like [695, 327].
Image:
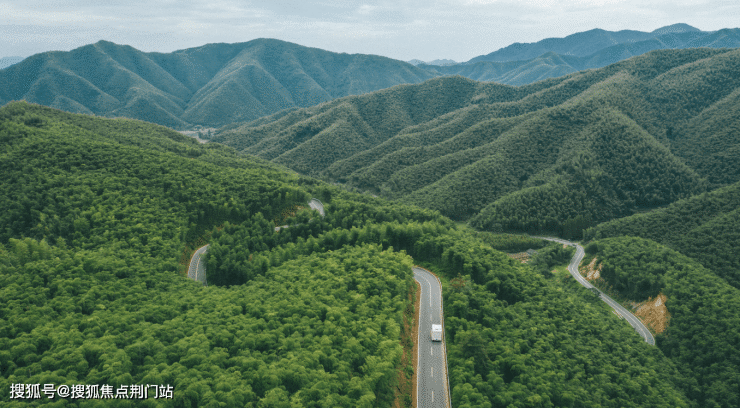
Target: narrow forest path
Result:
[627, 315]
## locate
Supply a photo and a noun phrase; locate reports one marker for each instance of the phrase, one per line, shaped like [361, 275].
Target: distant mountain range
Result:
[521, 64]
[8, 61]
[442, 62]
[569, 151]
[219, 84]
[212, 85]
[584, 43]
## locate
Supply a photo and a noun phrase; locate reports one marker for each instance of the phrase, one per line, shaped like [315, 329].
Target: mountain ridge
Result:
[218, 84]
[506, 149]
[214, 85]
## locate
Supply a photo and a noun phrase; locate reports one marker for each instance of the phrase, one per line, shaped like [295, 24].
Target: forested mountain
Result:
[705, 227]
[219, 84]
[441, 62]
[558, 155]
[590, 42]
[98, 215]
[521, 64]
[8, 61]
[703, 334]
[212, 85]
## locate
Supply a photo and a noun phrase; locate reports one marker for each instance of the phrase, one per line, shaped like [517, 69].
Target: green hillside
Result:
[705, 227]
[212, 85]
[607, 142]
[220, 84]
[702, 337]
[100, 214]
[521, 64]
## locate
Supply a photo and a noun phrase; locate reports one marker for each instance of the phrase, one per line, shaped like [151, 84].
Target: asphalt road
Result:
[197, 268]
[432, 387]
[573, 269]
[317, 205]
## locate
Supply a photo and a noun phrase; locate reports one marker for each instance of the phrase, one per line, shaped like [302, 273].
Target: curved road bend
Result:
[573, 269]
[197, 268]
[317, 205]
[432, 387]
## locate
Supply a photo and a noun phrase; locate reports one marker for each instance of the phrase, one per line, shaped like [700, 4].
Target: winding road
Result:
[621, 311]
[197, 268]
[432, 386]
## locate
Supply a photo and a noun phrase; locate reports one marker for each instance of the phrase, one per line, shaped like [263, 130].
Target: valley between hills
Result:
[105, 202]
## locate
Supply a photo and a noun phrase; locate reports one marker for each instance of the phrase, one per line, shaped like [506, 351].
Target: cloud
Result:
[455, 29]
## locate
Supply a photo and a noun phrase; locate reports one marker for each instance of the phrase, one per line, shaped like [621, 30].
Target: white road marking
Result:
[430, 292]
[432, 371]
[432, 350]
[432, 396]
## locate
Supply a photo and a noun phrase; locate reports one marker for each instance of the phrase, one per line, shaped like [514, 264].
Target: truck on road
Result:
[436, 332]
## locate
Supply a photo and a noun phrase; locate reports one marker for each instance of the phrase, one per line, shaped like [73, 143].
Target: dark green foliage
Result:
[97, 214]
[511, 243]
[702, 337]
[218, 84]
[551, 255]
[286, 333]
[705, 227]
[560, 155]
[498, 314]
[521, 64]
[212, 85]
[588, 42]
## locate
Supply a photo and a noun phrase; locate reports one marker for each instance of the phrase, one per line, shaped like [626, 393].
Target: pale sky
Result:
[401, 29]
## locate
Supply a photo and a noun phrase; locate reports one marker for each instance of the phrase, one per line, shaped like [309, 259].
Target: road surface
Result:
[197, 269]
[432, 387]
[573, 269]
[317, 205]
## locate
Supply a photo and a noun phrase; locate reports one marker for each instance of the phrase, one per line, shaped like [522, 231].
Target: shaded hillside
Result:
[8, 61]
[219, 84]
[703, 335]
[585, 43]
[212, 85]
[601, 140]
[99, 213]
[520, 65]
[705, 227]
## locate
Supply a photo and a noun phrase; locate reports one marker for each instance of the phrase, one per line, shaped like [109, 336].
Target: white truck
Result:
[436, 332]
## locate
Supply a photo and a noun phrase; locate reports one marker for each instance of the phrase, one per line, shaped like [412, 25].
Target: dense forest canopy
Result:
[703, 335]
[99, 214]
[218, 84]
[556, 156]
[211, 85]
[705, 227]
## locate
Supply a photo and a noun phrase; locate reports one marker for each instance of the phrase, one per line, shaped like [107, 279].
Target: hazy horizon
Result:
[441, 29]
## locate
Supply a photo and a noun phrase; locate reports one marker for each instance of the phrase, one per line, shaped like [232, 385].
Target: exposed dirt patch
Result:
[522, 257]
[591, 271]
[406, 391]
[654, 313]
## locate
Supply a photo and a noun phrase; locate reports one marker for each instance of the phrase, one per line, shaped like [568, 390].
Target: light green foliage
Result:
[511, 243]
[551, 255]
[556, 156]
[98, 212]
[702, 336]
[705, 227]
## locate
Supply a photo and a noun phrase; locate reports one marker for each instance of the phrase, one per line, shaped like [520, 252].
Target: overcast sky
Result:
[425, 29]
